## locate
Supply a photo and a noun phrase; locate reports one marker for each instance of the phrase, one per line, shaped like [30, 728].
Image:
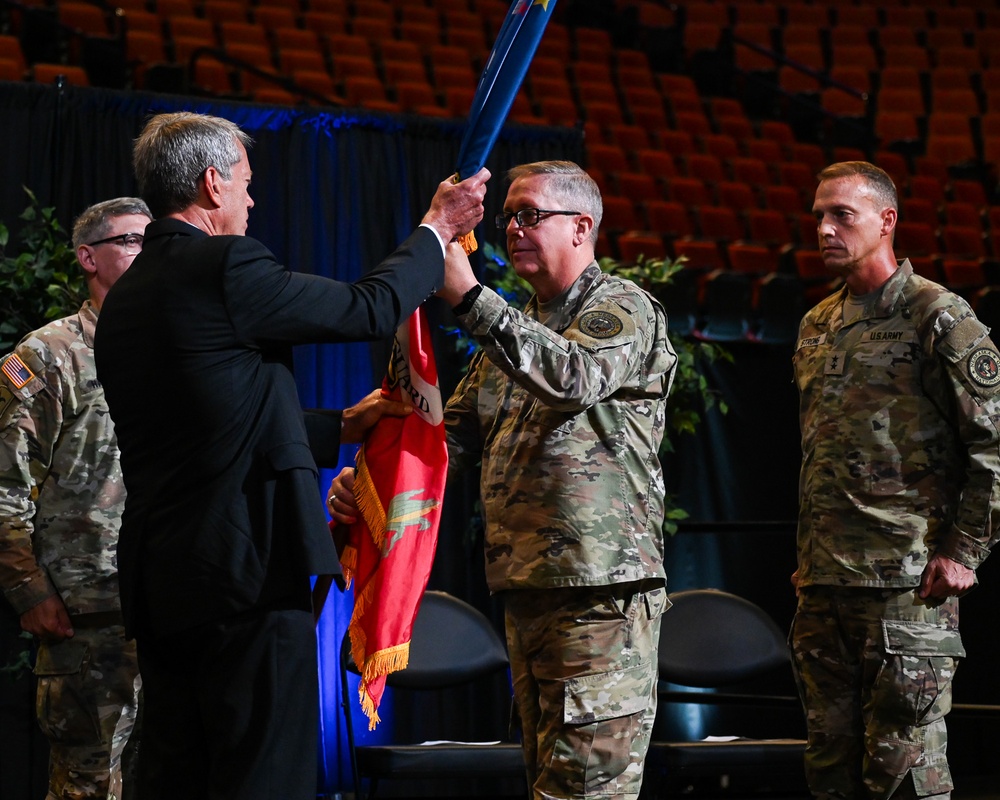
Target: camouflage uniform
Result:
[565, 407]
[901, 452]
[61, 497]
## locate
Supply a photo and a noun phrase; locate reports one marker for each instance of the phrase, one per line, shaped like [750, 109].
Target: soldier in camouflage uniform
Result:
[564, 407]
[898, 490]
[61, 499]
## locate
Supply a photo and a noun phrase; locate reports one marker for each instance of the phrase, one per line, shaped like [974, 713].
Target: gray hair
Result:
[95, 222]
[875, 178]
[570, 184]
[174, 150]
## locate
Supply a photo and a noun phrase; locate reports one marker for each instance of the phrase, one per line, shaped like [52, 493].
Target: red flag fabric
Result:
[401, 472]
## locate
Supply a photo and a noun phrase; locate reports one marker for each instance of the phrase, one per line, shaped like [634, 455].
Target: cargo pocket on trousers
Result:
[64, 704]
[602, 714]
[919, 663]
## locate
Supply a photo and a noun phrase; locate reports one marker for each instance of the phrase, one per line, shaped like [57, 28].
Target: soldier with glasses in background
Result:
[61, 501]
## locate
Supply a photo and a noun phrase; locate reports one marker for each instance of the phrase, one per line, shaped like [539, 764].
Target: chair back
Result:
[711, 638]
[451, 643]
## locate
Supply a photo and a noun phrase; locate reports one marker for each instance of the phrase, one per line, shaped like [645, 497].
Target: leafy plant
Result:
[22, 661]
[40, 276]
[690, 397]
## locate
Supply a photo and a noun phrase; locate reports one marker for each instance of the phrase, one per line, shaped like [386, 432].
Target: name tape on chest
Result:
[811, 341]
[890, 336]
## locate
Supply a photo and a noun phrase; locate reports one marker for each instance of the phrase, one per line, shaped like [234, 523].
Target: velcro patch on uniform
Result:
[984, 367]
[17, 371]
[6, 398]
[964, 336]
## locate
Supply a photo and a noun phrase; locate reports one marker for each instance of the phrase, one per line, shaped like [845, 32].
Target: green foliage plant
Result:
[41, 280]
[40, 276]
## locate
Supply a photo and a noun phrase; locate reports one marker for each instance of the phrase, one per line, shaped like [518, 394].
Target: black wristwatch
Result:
[467, 300]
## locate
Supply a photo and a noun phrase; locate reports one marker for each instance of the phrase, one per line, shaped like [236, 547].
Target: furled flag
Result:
[498, 86]
[403, 464]
[401, 472]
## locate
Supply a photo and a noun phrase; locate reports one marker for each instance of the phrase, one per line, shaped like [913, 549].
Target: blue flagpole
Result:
[508, 63]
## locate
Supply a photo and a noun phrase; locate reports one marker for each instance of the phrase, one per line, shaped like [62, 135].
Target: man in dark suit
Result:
[223, 523]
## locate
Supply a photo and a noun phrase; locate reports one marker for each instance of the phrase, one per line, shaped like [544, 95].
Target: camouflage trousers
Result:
[583, 662]
[874, 669]
[86, 707]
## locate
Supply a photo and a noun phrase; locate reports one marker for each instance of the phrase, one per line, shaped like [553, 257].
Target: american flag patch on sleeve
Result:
[15, 369]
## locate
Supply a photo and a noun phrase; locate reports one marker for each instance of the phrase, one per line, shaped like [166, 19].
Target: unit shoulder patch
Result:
[984, 367]
[601, 324]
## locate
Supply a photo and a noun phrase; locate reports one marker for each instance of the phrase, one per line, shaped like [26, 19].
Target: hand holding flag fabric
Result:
[457, 207]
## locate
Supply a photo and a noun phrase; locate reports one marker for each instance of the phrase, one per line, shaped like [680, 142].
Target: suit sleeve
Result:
[269, 303]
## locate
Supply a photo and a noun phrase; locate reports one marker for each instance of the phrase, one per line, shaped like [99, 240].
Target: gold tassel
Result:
[467, 240]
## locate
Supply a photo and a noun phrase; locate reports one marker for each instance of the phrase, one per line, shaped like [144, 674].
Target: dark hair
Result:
[876, 178]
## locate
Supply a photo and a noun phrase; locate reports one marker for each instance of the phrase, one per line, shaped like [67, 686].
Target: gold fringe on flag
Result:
[371, 665]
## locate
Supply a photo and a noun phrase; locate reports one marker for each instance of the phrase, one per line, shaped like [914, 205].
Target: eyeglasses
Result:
[132, 242]
[528, 217]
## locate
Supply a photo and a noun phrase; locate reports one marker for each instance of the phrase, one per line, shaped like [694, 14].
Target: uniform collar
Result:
[886, 300]
[88, 322]
[561, 310]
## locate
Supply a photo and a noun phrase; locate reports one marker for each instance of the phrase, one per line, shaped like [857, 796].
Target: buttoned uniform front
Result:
[901, 457]
[61, 499]
[565, 405]
[224, 519]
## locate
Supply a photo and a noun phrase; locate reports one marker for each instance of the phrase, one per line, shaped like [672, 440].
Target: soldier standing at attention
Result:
[564, 407]
[899, 500]
[61, 501]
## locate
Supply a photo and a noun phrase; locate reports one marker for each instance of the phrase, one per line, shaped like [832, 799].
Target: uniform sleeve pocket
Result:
[606, 695]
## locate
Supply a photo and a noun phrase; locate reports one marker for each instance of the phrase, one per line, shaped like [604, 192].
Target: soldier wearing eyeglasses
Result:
[61, 500]
[562, 411]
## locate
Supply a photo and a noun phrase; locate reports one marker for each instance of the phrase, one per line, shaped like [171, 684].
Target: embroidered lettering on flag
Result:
[401, 472]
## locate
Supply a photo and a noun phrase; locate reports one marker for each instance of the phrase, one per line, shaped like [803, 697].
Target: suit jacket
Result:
[194, 350]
